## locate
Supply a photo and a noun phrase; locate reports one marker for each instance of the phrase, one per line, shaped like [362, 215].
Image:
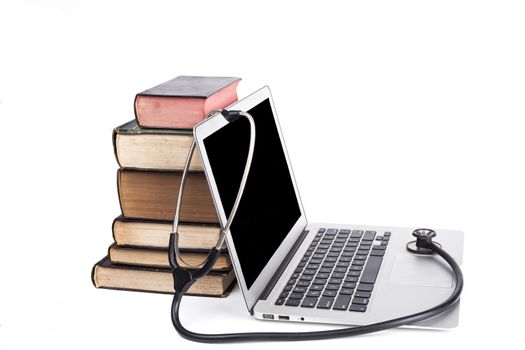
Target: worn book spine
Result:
[153, 195]
[159, 257]
[153, 149]
[144, 233]
[107, 275]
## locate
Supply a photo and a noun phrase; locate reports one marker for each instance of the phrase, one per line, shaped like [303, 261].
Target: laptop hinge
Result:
[283, 266]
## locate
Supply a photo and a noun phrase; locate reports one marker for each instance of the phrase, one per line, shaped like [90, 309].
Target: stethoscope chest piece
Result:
[423, 240]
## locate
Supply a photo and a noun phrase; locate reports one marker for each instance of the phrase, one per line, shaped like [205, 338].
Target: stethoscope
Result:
[184, 277]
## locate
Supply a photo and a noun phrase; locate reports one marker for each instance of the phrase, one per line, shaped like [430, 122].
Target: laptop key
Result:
[352, 279]
[279, 301]
[349, 285]
[371, 269]
[303, 284]
[325, 302]
[365, 287]
[296, 296]
[369, 236]
[313, 293]
[356, 233]
[330, 293]
[306, 278]
[293, 302]
[377, 253]
[309, 302]
[358, 308]
[346, 291]
[332, 286]
[360, 301]
[283, 295]
[341, 303]
[323, 275]
[318, 287]
[361, 294]
[299, 290]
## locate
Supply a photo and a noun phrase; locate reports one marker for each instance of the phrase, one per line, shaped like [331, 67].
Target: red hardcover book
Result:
[184, 101]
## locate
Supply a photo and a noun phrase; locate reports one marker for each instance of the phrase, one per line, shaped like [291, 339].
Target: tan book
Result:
[106, 274]
[156, 234]
[159, 258]
[153, 149]
[153, 195]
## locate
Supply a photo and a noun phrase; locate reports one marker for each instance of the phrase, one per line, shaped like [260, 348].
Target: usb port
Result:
[268, 316]
[286, 318]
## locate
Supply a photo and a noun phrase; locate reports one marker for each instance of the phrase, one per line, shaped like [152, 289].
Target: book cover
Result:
[108, 275]
[184, 101]
[153, 149]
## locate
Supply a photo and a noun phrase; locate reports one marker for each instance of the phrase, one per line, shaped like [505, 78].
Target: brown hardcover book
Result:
[106, 274]
[184, 101]
[156, 234]
[153, 149]
[159, 257]
[153, 195]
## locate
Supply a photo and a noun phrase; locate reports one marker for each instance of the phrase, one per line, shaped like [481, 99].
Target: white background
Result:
[405, 113]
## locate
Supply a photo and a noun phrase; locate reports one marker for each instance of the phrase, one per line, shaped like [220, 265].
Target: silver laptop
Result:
[291, 270]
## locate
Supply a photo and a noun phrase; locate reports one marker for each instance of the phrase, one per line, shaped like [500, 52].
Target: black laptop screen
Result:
[269, 207]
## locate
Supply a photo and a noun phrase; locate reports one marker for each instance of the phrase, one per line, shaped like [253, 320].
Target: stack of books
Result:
[151, 152]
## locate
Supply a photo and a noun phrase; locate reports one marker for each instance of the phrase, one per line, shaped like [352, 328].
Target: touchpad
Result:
[420, 270]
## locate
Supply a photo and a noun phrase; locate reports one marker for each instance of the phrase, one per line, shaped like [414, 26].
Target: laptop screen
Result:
[269, 207]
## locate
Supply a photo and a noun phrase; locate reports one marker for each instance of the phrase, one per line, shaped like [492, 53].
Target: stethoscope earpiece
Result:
[423, 241]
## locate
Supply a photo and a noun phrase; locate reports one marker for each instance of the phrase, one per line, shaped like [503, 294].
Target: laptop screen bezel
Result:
[205, 129]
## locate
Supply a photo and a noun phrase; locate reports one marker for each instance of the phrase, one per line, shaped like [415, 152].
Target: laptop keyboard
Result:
[338, 271]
